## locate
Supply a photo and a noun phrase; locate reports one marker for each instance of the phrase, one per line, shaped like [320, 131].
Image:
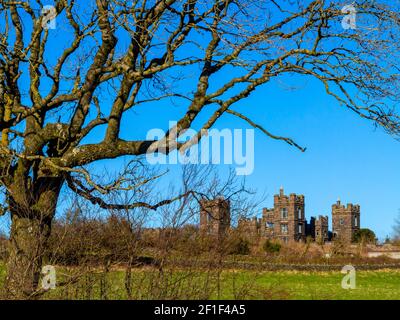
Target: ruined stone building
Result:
[321, 229]
[215, 216]
[251, 227]
[286, 221]
[345, 221]
[310, 228]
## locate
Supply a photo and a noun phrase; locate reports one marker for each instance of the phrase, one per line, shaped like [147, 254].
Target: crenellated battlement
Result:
[286, 220]
[345, 221]
[341, 208]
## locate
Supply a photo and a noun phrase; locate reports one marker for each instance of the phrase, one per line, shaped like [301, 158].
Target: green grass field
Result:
[382, 284]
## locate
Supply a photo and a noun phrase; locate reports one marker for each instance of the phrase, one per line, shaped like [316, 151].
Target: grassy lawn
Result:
[382, 284]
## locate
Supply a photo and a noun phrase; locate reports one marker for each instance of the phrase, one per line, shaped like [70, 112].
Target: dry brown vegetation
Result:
[94, 256]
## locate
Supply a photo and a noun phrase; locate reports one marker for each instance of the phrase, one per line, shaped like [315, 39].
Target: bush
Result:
[3, 247]
[364, 236]
[76, 241]
[271, 247]
[240, 246]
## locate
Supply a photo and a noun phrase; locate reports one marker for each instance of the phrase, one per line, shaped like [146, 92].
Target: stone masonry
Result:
[286, 221]
[215, 216]
[321, 229]
[345, 221]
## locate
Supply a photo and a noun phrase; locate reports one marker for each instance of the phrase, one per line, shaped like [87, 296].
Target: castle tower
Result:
[321, 229]
[267, 228]
[345, 221]
[249, 228]
[310, 228]
[288, 217]
[215, 216]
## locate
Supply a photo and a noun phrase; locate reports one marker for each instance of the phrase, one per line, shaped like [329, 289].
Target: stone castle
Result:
[215, 216]
[285, 221]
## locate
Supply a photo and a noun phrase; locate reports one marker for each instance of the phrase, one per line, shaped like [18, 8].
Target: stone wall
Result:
[285, 221]
[321, 229]
[215, 216]
[345, 221]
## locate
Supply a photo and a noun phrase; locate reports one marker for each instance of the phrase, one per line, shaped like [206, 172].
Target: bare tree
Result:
[396, 228]
[182, 249]
[116, 55]
[91, 245]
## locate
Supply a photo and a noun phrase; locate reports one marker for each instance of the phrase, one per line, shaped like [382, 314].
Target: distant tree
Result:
[240, 246]
[396, 229]
[364, 236]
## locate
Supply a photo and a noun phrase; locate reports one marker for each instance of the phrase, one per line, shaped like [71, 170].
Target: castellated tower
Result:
[345, 221]
[215, 216]
[321, 229]
[288, 222]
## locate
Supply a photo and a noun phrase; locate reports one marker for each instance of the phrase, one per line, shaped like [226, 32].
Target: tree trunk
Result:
[28, 241]
[30, 231]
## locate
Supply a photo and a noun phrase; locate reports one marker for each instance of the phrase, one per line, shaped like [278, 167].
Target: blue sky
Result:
[346, 157]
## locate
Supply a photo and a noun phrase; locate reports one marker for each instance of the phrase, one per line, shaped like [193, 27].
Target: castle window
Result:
[355, 222]
[284, 228]
[284, 213]
[299, 213]
[300, 229]
[270, 225]
[341, 221]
